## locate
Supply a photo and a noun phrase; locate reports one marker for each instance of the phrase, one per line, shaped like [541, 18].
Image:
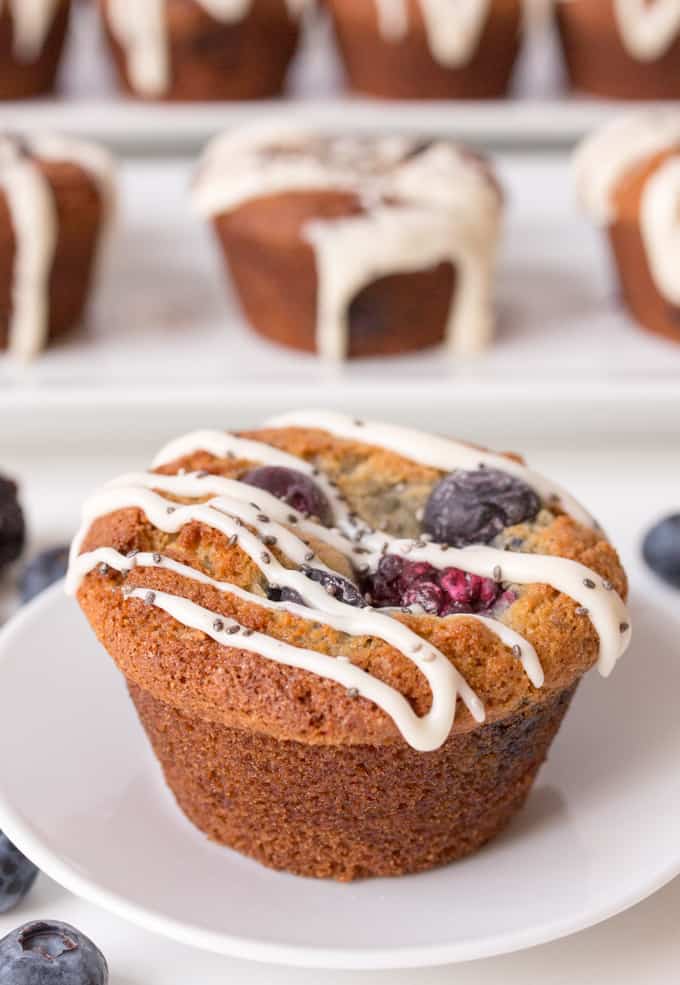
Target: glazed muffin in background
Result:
[350, 645]
[32, 35]
[622, 49]
[628, 179]
[353, 247]
[426, 49]
[203, 49]
[56, 197]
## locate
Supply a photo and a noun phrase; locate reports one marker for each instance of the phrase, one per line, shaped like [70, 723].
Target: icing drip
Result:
[648, 28]
[228, 506]
[453, 34]
[30, 201]
[421, 207]
[31, 22]
[142, 31]
[607, 157]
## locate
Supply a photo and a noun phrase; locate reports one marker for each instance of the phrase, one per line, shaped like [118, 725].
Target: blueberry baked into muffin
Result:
[350, 644]
[628, 178]
[56, 197]
[429, 49]
[32, 35]
[352, 247]
[203, 49]
[622, 49]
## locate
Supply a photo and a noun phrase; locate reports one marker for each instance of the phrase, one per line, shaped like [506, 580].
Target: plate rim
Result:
[19, 831]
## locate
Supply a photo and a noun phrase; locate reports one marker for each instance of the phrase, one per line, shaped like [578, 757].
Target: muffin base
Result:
[22, 80]
[598, 62]
[648, 306]
[350, 812]
[405, 69]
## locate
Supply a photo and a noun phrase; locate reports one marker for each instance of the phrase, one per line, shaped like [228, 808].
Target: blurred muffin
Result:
[55, 198]
[622, 49]
[628, 178]
[426, 49]
[203, 49]
[355, 247]
[350, 644]
[32, 34]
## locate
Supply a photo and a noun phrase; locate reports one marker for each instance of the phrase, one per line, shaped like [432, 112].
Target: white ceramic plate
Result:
[81, 794]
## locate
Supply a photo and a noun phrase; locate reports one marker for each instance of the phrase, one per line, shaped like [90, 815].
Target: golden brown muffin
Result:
[355, 247]
[29, 58]
[629, 178]
[397, 49]
[329, 686]
[186, 52]
[613, 49]
[55, 200]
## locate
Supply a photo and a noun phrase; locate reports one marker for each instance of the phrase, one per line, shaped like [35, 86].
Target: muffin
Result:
[32, 36]
[350, 645]
[628, 178]
[56, 195]
[355, 246]
[203, 49]
[622, 49]
[426, 49]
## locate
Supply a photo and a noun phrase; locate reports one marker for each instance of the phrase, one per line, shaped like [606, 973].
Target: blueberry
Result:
[337, 586]
[284, 594]
[17, 874]
[50, 953]
[398, 582]
[294, 488]
[474, 507]
[661, 549]
[12, 525]
[43, 571]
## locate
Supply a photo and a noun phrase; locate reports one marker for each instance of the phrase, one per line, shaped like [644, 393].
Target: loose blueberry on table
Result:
[17, 874]
[12, 525]
[43, 571]
[50, 953]
[661, 549]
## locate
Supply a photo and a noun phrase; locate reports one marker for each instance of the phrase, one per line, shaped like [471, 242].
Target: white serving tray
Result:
[89, 104]
[163, 320]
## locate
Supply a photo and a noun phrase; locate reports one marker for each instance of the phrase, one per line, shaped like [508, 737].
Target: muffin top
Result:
[336, 581]
[367, 208]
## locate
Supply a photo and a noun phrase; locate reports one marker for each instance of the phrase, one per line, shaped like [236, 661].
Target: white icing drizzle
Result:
[31, 24]
[648, 28]
[142, 31]
[237, 510]
[30, 201]
[605, 158]
[453, 34]
[419, 210]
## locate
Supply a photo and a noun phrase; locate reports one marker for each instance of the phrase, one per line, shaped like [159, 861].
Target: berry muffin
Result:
[350, 645]
[622, 49]
[203, 49]
[354, 246]
[56, 195]
[429, 49]
[32, 35]
[628, 178]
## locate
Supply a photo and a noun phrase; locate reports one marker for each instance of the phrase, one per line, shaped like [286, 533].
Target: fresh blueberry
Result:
[43, 571]
[398, 582]
[474, 507]
[12, 525]
[661, 549]
[50, 953]
[17, 874]
[294, 488]
[337, 586]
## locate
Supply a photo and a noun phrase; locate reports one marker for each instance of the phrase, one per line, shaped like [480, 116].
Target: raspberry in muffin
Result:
[622, 49]
[203, 49]
[353, 247]
[351, 645]
[32, 35]
[429, 49]
[628, 178]
[56, 196]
